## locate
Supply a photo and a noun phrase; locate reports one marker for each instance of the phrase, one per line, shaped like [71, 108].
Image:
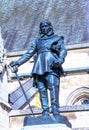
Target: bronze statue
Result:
[50, 55]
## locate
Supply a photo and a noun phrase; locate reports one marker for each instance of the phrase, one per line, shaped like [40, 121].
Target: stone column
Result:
[4, 106]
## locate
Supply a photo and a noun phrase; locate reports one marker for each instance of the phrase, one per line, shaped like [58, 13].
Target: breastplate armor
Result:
[45, 44]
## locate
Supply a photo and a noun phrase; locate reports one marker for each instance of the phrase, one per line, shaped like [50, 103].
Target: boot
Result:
[54, 94]
[45, 113]
[44, 102]
[55, 109]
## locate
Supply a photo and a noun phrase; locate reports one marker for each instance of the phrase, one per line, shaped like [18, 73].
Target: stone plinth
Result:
[46, 123]
[41, 120]
[47, 127]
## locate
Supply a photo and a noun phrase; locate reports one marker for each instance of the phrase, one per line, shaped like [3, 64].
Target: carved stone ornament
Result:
[2, 53]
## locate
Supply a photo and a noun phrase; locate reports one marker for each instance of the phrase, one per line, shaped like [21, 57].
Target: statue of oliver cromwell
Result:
[50, 55]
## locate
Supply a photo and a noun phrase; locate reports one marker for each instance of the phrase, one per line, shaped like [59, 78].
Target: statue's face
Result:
[45, 28]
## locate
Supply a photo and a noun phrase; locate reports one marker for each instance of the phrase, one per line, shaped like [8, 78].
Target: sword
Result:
[14, 69]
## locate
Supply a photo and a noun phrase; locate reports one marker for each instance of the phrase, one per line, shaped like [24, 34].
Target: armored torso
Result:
[45, 44]
[45, 56]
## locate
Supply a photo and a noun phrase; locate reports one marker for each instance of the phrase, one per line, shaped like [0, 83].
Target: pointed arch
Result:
[77, 95]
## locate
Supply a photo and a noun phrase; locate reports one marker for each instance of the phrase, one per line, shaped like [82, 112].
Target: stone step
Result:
[47, 127]
[14, 128]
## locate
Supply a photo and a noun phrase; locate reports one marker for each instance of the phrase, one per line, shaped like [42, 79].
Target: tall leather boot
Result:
[44, 102]
[54, 95]
[44, 99]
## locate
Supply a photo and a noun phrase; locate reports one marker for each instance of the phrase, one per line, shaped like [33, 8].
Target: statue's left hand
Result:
[57, 63]
[54, 65]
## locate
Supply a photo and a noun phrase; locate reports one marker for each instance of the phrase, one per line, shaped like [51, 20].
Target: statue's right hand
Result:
[14, 63]
[14, 66]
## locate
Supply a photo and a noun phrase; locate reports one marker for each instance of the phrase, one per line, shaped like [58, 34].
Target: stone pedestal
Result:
[47, 127]
[46, 123]
[39, 120]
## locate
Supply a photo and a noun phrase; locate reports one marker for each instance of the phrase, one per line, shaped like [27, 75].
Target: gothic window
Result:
[85, 101]
[80, 96]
